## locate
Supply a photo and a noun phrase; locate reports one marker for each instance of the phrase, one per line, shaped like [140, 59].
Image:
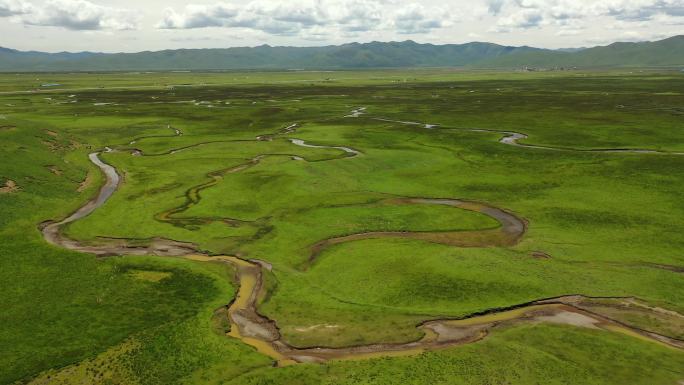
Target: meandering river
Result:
[248, 325]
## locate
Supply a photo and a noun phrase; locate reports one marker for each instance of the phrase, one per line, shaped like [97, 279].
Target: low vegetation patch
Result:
[150, 276]
[9, 187]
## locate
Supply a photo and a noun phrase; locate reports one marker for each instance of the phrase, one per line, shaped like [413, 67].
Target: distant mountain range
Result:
[663, 53]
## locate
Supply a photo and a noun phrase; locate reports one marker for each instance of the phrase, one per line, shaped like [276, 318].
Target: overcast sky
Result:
[137, 25]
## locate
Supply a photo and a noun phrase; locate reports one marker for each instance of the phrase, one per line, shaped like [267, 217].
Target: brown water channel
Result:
[248, 325]
[263, 334]
[510, 230]
[512, 138]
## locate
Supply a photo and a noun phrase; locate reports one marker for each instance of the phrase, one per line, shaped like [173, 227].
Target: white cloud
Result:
[628, 36]
[310, 19]
[524, 14]
[303, 12]
[199, 16]
[543, 23]
[358, 15]
[14, 7]
[271, 17]
[416, 18]
[569, 32]
[316, 33]
[495, 6]
[69, 14]
[639, 9]
[522, 19]
[667, 20]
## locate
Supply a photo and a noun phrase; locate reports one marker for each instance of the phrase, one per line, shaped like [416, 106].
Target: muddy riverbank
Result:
[263, 334]
[256, 330]
[510, 231]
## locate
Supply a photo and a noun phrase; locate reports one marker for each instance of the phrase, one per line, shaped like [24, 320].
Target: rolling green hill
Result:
[668, 52]
[354, 55]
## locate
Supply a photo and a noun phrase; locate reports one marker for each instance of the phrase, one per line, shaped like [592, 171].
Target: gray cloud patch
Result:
[311, 18]
[524, 14]
[69, 14]
[415, 19]
[625, 11]
[13, 8]
[494, 6]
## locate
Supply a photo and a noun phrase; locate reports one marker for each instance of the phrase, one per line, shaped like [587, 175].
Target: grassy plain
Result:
[610, 222]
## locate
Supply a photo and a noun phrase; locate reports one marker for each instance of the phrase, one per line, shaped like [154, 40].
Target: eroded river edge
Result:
[256, 330]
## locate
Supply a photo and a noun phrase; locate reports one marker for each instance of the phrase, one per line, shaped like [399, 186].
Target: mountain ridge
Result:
[376, 54]
[667, 52]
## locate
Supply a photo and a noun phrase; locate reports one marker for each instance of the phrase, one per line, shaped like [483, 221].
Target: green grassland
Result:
[608, 221]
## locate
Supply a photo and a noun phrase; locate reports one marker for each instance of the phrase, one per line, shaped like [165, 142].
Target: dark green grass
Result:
[521, 355]
[603, 218]
[60, 307]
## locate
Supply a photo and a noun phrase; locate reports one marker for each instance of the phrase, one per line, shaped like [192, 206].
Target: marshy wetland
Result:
[418, 227]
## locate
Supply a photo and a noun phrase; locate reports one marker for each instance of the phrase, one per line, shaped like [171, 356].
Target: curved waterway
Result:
[52, 231]
[510, 231]
[192, 195]
[512, 138]
[348, 150]
[254, 329]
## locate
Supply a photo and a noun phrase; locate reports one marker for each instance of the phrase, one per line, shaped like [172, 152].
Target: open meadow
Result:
[415, 227]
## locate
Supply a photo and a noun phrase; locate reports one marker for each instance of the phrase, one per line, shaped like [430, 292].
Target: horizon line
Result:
[265, 45]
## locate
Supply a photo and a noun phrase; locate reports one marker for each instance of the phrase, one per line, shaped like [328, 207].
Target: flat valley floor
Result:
[363, 227]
